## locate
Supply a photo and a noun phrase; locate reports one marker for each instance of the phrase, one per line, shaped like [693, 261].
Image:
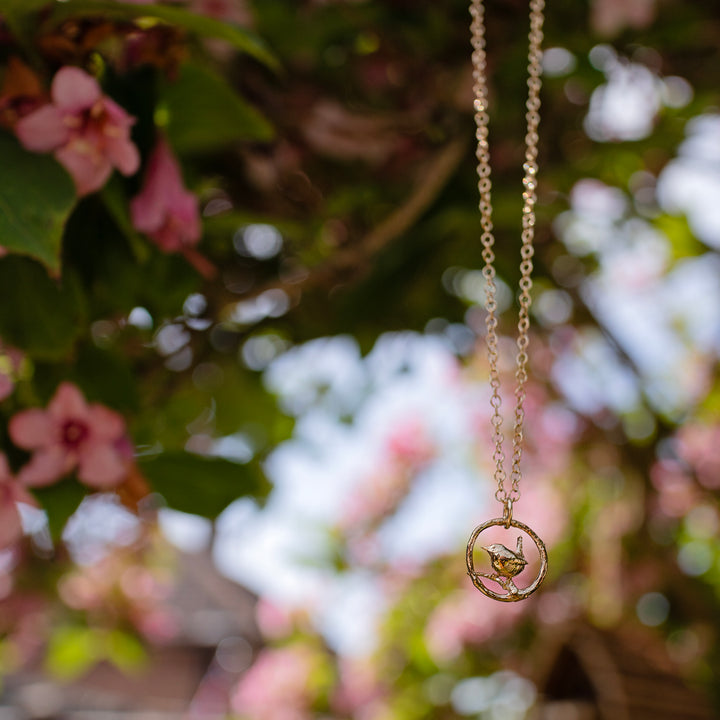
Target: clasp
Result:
[507, 511]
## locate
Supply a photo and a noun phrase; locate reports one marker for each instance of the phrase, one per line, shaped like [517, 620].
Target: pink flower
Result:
[610, 17]
[88, 132]
[164, 209]
[360, 688]
[233, 11]
[273, 620]
[278, 685]
[69, 434]
[467, 618]
[11, 493]
[409, 444]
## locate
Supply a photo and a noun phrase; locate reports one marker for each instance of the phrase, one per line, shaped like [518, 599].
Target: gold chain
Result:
[479, 59]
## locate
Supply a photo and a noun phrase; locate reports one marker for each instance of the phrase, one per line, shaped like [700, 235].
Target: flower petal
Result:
[43, 130]
[46, 467]
[74, 91]
[105, 424]
[89, 169]
[68, 402]
[10, 523]
[117, 115]
[21, 495]
[167, 238]
[123, 154]
[149, 208]
[147, 212]
[164, 209]
[32, 429]
[101, 466]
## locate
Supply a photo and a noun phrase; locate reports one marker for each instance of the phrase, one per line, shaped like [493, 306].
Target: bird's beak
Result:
[485, 548]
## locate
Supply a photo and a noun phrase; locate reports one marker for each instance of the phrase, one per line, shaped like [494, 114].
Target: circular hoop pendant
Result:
[505, 563]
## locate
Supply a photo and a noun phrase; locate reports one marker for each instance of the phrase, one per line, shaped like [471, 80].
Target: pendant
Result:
[505, 563]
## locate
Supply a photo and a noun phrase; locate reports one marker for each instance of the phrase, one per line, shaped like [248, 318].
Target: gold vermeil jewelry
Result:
[505, 564]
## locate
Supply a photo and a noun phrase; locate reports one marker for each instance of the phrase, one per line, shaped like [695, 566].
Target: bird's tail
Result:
[519, 551]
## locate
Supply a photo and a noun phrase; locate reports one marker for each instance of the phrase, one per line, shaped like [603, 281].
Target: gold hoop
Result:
[513, 593]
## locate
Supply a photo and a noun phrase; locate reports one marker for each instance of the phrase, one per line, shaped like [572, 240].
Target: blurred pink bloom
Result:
[212, 697]
[277, 686]
[123, 586]
[273, 620]
[544, 508]
[88, 132]
[410, 445]
[677, 492]
[158, 625]
[25, 625]
[11, 361]
[370, 502]
[164, 209]
[699, 446]
[71, 433]
[360, 689]
[465, 617]
[11, 493]
[609, 17]
[233, 11]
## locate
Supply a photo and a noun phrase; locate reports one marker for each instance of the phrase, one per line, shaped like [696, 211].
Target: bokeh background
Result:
[245, 402]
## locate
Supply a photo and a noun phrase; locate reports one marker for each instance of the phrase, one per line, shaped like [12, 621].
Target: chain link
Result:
[482, 119]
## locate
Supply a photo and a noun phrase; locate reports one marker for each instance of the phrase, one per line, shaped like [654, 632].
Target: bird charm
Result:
[506, 563]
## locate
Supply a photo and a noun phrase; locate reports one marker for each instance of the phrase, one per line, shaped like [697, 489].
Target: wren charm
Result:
[505, 563]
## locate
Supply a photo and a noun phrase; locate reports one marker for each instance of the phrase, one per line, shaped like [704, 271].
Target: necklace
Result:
[505, 563]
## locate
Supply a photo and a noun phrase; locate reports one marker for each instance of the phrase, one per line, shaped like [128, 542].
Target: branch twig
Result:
[432, 181]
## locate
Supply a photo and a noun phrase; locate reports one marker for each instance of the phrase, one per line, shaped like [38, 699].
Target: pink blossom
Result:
[70, 434]
[11, 493]
[609, 17]
[233, 11]
[164, 209]
[360, 688]
[277, 686]
[409, 445]
[376, 498]
[677, 493]
[273, 620]
[88, 132]
[466, 617]
[699, 446]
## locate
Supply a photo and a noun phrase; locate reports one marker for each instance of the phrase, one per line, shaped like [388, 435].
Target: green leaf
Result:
[60, 501]
[106, 377]
[200, 485]
[125, 651]
[116, 203]
[22, 6]
[72, 651]
[242, 403]
[36, 199]
[683, 241]
[200, 25]
[39, 315]
[206, 114]
[19, 15]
